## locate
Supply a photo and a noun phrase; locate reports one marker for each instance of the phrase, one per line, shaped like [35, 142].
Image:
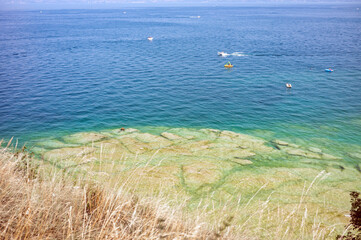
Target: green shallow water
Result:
[306, 138]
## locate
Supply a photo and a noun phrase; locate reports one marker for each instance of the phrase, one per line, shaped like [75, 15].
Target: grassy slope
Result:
[55, 206]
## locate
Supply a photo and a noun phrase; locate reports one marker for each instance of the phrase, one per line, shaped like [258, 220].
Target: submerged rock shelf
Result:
[208, 167]
[175, 142]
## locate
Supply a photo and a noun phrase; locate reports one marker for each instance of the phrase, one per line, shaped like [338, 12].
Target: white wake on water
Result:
[237, 54]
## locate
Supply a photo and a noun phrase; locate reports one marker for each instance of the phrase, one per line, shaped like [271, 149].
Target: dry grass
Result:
[34, 208]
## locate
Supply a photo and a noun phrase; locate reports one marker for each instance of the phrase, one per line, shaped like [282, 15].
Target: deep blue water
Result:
[82, 70]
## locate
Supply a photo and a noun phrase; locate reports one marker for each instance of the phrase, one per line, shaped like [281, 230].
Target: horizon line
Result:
[115, 6]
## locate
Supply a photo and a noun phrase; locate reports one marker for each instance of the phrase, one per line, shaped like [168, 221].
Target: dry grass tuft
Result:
[32, 207]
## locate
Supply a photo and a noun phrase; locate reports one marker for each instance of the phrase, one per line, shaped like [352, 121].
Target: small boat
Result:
[288, 85]
[222, 54]
[150, 38]
[328, 70]
[228, 65]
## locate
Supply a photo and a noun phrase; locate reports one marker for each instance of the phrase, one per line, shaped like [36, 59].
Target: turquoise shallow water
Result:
[82, 70]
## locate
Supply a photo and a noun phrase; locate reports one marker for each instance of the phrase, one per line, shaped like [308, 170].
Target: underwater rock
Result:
[280, 142]
[66, 153]
[171, 151]
[84, 137]
[244, 141]
[134, 145]
[53, 143]
[294, 145]
[262, 148]
[218, 144]
[211, 144]
[302, 153]
[107, 143]
[330, 157]
[151, 140]
[211, 134]
[228, 135]
[147, 137]
[315, 150]
[111, 149]
[197, 146]
[309, 154]
[296, 152]
[170, 136]
[213, 130]
[242, 161]
[224, 153]
[150, 178]
[355, 155]
[201, 173]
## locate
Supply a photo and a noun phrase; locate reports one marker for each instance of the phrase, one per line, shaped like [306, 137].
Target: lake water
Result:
[82, 70]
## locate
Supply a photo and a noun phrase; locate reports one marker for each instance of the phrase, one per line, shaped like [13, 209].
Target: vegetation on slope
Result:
[53, 206]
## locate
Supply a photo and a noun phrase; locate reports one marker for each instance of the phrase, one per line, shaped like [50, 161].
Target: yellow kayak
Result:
[228, 65]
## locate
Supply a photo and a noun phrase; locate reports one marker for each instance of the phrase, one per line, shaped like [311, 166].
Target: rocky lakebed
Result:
[211, 168]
